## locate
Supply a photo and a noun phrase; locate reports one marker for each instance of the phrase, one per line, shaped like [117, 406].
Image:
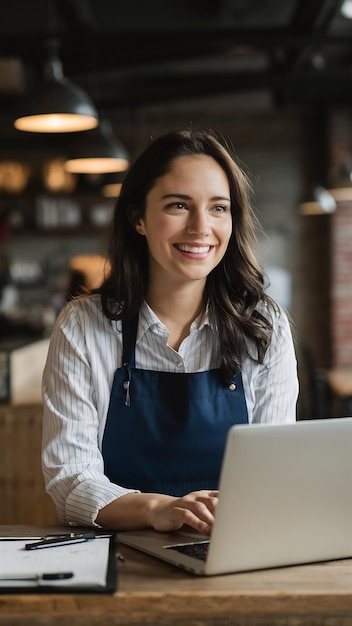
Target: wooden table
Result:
[152, 593]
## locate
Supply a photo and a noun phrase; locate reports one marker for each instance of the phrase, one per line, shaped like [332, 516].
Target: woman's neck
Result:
[177, 309]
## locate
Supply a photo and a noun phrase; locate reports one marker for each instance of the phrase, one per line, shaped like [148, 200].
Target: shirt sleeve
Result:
[73, 466]
[273, 388]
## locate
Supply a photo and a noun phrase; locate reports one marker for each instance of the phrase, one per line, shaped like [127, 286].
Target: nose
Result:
[198, 223]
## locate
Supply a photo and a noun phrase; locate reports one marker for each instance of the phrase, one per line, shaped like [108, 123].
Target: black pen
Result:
[36, 577]
[60, 541]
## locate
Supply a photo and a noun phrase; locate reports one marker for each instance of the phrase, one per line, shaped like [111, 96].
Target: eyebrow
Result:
[186, 197]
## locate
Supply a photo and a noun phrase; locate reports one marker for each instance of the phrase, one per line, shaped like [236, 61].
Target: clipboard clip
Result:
[64, 540]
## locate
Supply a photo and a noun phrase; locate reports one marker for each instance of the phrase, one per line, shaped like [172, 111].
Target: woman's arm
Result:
[72, 462]
[161, 512]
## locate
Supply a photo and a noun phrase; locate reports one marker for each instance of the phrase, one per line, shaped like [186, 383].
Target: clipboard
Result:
[90, 567]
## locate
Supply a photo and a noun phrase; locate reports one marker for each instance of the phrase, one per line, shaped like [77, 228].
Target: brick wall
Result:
[341, 285]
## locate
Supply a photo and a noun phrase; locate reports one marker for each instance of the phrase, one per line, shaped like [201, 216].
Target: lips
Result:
[193, 249]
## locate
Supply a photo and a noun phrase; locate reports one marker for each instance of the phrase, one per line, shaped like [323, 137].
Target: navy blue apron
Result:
[165, 432]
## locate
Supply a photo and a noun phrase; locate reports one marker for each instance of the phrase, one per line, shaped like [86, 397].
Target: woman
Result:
[144, 379]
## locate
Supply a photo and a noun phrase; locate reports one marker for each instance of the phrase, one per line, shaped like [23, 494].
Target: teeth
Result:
[194, 249]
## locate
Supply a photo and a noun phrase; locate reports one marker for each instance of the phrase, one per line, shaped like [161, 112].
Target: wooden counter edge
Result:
[169, 609]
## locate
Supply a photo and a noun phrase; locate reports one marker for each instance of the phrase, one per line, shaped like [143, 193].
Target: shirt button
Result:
[232, 387]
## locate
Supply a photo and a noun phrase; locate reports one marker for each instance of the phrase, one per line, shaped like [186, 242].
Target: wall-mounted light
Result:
[56, 105]
[322, 203]
[325, 199]
[346, 9]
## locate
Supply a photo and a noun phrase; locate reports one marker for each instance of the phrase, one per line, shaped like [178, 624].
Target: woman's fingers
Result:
[196, 509]
[209, 500]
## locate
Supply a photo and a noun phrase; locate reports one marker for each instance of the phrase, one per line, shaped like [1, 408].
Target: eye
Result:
[220, 208]
[176, 205]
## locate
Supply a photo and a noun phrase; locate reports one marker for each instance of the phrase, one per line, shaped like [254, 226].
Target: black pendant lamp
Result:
[56, 105]
[112, 184]
[97, 152]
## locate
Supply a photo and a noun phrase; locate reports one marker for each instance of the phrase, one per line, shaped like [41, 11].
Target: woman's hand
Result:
[161, 512]
[196, 509]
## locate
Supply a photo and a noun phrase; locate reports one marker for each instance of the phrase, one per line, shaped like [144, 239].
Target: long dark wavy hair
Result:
[235, 286]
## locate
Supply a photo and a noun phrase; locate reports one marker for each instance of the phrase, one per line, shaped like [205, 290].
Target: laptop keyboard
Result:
[197, 550]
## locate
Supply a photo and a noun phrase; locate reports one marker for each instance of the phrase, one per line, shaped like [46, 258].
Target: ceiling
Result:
[132, 54]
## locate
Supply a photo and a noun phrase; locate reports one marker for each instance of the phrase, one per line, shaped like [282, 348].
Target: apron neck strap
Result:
[129, 336]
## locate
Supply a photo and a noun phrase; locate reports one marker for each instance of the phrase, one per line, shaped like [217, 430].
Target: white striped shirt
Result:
[86, 349]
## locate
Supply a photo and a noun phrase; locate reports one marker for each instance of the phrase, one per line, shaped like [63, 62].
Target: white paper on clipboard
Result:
[88, 562]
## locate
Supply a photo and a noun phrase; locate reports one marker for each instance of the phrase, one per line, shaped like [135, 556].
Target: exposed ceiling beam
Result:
[311, 20]
[139, 90]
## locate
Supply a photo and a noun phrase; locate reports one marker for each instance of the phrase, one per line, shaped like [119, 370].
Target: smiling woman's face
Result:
[187, 221]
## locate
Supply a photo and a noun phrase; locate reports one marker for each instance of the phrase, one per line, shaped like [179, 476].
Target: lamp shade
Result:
[97, 152]
[112, 184]
[56, 105]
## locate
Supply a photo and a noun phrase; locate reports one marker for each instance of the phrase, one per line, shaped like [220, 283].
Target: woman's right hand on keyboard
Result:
[196, 509]
[161, 512]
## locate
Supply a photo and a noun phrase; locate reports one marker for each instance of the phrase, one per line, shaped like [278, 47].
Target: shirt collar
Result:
[202, 320]
[149, 320]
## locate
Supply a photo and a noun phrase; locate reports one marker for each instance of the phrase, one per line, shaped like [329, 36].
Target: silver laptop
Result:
[285, 498]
